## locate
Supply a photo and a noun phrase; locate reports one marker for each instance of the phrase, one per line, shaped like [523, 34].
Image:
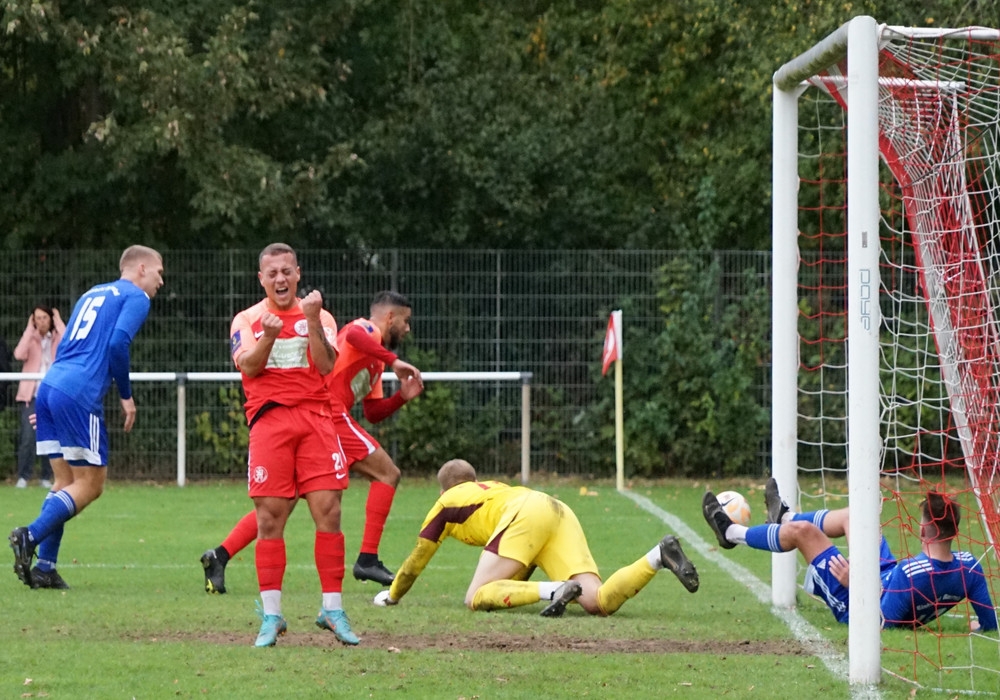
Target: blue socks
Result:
[47, 530]
[48, 549]
[764, 537]
[816, 517]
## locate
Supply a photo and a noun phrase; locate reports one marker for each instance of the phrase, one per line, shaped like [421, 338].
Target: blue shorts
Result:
[66, 429]
[824, 585]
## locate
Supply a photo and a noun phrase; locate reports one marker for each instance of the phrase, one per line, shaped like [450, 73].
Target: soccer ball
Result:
[735, 506]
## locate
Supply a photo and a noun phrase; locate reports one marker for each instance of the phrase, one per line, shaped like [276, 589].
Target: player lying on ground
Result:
[69, 409]
[520, 529]
[364, 350]
[915, 591]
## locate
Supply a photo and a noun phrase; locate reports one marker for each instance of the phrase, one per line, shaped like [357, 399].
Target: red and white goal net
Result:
[936, 297]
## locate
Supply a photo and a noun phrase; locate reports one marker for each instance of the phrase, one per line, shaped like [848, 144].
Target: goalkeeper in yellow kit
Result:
[520, 529]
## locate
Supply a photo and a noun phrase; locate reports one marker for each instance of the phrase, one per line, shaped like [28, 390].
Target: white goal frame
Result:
[858, 42]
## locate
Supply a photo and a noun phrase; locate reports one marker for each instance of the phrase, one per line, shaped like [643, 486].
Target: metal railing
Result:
[181, 380]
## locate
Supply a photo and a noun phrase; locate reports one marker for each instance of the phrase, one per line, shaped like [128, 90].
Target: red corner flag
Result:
[612, 341]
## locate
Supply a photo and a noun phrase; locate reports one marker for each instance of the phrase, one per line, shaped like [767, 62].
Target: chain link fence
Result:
[543, 312]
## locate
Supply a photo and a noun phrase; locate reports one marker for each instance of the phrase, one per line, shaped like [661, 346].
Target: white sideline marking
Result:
[801, 629]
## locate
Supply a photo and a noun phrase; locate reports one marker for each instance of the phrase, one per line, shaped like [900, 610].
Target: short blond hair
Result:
[135, 254]
[455, 472]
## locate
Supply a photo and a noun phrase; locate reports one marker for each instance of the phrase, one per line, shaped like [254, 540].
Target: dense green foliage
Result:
[366, 124]
[691, 389]
[228, 438]
[375, 123]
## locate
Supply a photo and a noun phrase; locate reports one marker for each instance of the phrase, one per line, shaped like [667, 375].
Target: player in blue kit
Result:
[915, 591]
[69, 408]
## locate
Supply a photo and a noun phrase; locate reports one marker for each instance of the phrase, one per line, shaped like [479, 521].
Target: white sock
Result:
[333, 601]
[270, 601]
[653, 557]
[737, 534]
[547, 589]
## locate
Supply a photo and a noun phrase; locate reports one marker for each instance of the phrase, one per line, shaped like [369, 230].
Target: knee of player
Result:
[470, 600]
[390, 475]
[93, 490]
[798, 532]
[269, 525]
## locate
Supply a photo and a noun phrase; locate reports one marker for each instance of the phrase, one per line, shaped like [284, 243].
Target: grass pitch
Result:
[138, 624]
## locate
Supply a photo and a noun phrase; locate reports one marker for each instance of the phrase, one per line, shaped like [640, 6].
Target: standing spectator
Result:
[37, 350]
[4, 367]
[70, 406]
[365, 348]
[5, 386]
[283, 347]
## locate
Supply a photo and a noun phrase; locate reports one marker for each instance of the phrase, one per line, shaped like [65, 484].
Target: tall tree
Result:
[372, 123]
[182, 124]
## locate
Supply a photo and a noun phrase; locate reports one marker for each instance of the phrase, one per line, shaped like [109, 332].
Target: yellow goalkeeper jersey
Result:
[473, 512]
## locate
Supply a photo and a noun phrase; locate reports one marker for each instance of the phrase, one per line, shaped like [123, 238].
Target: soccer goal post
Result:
[886, 286]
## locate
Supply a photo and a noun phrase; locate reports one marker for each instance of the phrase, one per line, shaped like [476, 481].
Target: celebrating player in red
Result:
[365, 348]
[283, 347]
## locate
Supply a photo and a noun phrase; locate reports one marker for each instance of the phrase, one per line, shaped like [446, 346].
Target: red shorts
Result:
[355, 440]
[294, 451]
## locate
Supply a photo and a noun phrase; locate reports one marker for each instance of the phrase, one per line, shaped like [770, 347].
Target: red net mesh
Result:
[939, 122]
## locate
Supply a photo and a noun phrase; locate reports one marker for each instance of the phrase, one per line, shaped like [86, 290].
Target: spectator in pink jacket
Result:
[37, 350]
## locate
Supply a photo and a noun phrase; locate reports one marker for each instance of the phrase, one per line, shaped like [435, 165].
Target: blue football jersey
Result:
[82, 367]
[920, 589]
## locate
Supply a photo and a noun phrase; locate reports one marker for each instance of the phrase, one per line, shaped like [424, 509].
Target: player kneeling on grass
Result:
[520, 529]
[915, 591]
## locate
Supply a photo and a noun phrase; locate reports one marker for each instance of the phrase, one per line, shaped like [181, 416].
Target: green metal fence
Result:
[542, 312]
